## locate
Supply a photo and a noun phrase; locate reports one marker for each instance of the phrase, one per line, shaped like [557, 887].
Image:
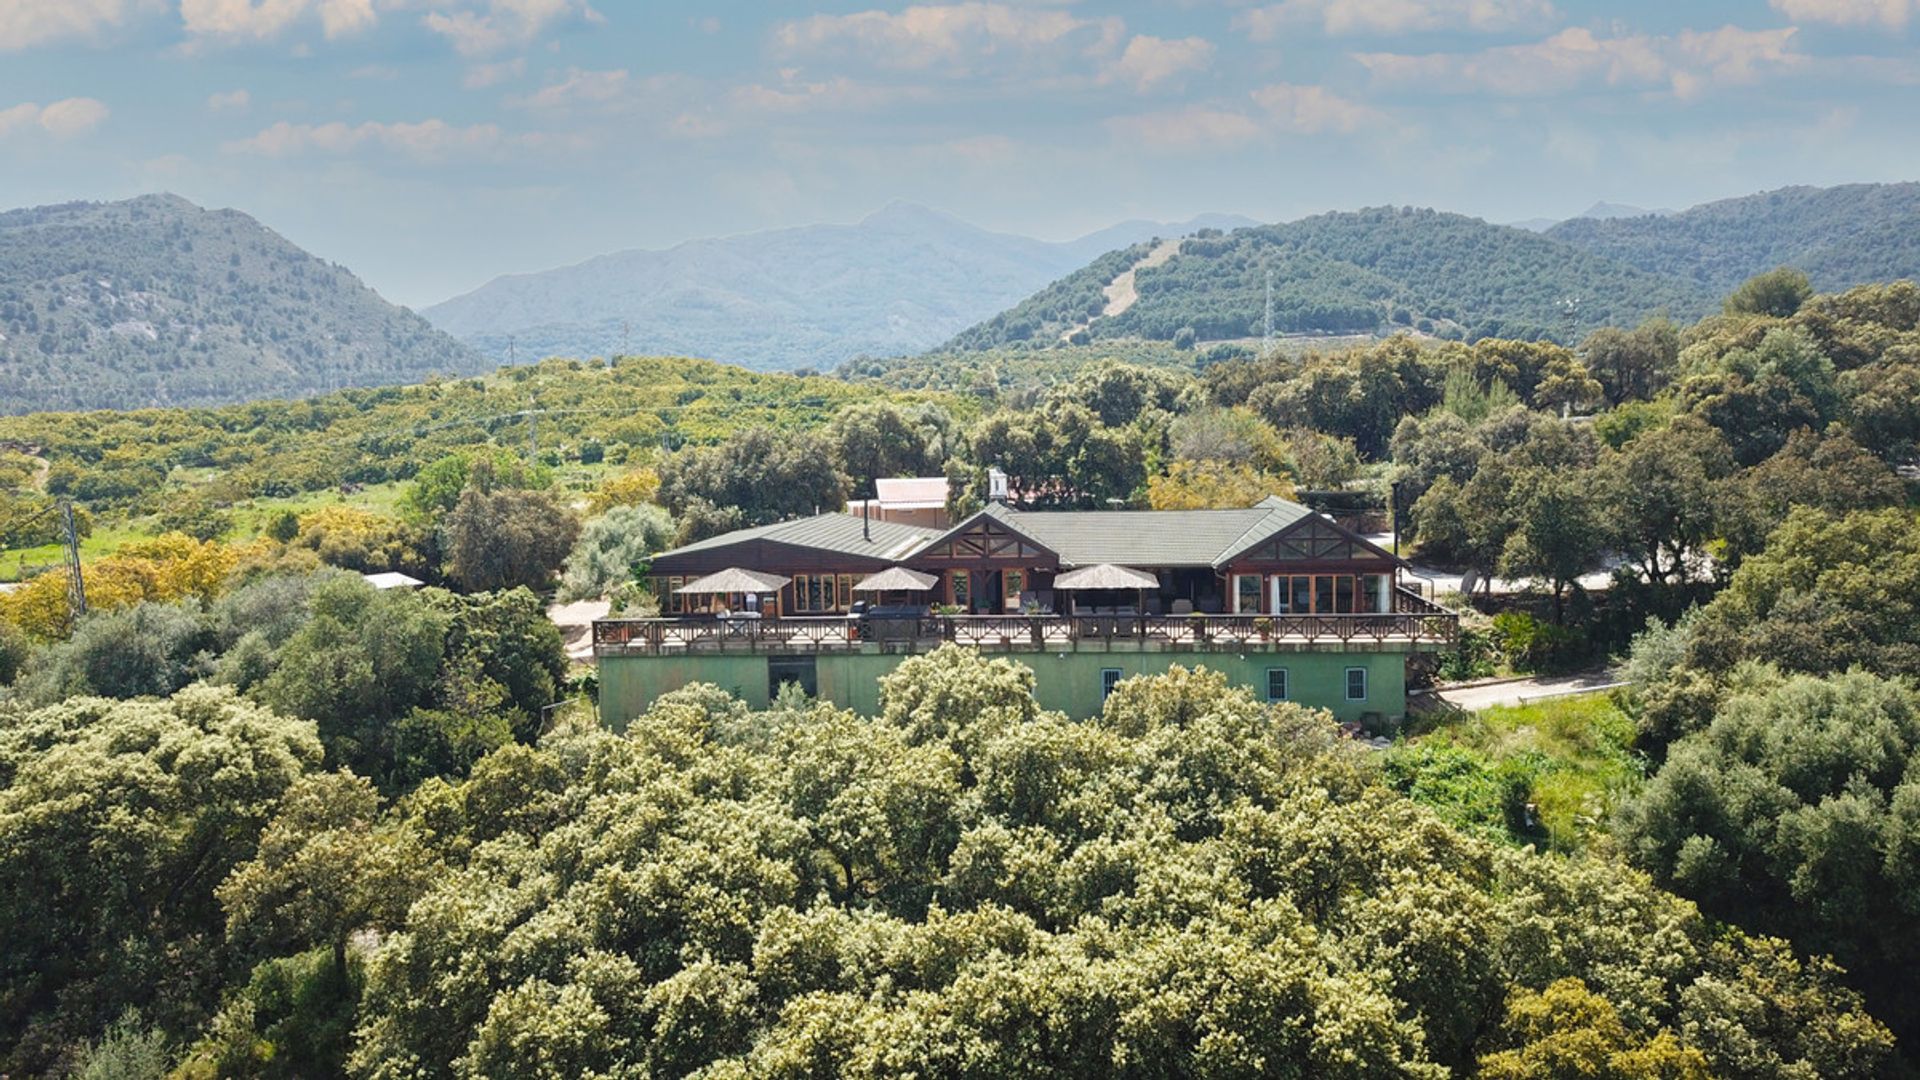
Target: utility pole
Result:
[1570, 307]
[1266, 345]
[76, 585]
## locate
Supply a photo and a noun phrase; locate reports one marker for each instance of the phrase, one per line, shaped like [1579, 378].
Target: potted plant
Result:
[1264, 627]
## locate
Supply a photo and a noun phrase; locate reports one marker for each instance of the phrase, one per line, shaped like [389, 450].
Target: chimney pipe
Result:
[866, 519]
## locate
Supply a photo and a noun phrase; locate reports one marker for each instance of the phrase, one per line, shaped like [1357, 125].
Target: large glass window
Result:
[1246, 596]
[962, 589]
[1343, 595]
[1013, 582]
[1302, 590]
[1373, 593]
[816, 593]
[1323, 594]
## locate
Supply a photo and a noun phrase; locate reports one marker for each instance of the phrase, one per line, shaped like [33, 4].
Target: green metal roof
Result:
[835, 531]
[1151, 537]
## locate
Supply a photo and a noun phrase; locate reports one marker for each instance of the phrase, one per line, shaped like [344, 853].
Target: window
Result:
[673, 601]
[1109, 678]
[1323, 594]
[815, 592]
[1302, 602]
[962, 589]
[846, 592]
[1356, 684]
[1343, 594]
[1014, 583]
[1246, 594]
[1277, 684]
[1374, 592]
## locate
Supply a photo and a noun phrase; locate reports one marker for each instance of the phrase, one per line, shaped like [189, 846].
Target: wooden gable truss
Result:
[984, 541]
[1317, 543]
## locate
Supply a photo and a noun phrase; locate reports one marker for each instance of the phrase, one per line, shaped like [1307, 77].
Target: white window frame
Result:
[1107, 684]
[1286, 684]
[1366, 677]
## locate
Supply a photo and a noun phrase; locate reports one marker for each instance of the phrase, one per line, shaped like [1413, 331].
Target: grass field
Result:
[1551, 773]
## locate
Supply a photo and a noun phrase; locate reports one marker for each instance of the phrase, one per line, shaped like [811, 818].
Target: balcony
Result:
[1415, 625]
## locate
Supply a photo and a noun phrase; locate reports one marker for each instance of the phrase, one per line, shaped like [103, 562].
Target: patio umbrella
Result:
[897, 579]
[1106, 576]
[735, 580]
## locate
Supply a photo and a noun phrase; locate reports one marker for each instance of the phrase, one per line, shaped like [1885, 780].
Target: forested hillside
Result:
[1365, 271]
[155, 301]
[900, 281]
[259, 819]
[1841, 236]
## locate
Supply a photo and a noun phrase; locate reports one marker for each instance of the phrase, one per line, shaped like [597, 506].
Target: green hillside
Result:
[1841, 236]
[155, 301]
[1353, 272]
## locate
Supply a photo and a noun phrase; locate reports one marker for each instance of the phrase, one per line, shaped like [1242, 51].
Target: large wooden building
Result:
[1276, 595]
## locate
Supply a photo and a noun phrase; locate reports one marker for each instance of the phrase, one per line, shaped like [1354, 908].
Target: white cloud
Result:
[427, 141]
[1343, 17]
[577, 88]
[1312, 110]
[1893, 13]
[62, 119]
[480, 31]
[481, 76]
[1686, 63]
[839, 93]
[240, 18]
[231, 99]
[25, 23]
[959, 36]
[1149, 61]
[1193, 127]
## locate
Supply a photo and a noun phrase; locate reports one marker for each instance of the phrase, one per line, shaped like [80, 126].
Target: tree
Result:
[612, 548]
[1662, 495]
[767, 476]
[1796, 812]
[1566, 385]
[1777, 293]
[150, 649]
[507, 538]
[117, 822]
[1632, 365]
[1569, 1031]
[1759, 396]
[1213, 485]
[1200, 883]
[1828, 593]
[364, 659]
[1829, 472]
[326, 868]
[875, 440]
[1559, 531]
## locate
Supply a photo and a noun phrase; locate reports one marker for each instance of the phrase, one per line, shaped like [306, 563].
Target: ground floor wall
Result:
[1367, 686]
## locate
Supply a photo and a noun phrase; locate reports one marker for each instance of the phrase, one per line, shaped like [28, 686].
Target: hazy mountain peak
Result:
[900, 280]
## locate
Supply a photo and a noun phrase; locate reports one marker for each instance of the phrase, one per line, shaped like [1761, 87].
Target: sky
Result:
[431, 145]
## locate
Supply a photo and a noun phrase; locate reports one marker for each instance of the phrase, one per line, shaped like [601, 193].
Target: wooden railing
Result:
[1429, 626]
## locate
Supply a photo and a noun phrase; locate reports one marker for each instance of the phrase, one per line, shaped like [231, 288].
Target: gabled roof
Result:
[845, 534]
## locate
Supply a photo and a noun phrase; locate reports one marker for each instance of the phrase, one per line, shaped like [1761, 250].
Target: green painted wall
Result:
[1067, 682]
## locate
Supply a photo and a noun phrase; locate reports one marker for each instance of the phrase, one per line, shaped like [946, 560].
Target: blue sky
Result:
[431, 145]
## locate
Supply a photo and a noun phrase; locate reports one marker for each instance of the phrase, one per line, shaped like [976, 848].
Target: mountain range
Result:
[155, 301]
[900, 281]
[1446, 274]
